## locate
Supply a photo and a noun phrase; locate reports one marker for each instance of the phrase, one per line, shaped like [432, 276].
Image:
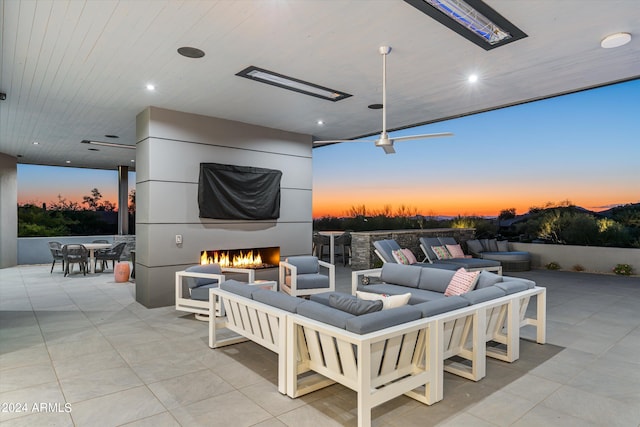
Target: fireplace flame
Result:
[241, 260]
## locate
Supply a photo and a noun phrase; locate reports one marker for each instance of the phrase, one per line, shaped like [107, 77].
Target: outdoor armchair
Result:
[301, 276]
[112, 254]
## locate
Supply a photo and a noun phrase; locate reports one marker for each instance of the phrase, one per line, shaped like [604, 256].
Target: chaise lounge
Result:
[498, 250]
[444, 246]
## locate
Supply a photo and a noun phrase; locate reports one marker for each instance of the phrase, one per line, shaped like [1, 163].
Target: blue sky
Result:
[582, 147]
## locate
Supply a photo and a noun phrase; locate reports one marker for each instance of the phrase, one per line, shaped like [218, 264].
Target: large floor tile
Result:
[229, 409]
[99, 383]
[189, 388]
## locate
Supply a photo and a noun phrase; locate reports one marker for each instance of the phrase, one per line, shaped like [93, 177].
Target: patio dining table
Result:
[92, 248]
[332, 235]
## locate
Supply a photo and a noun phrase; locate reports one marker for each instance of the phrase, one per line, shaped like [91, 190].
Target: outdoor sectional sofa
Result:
[383, 354]
[498, 250]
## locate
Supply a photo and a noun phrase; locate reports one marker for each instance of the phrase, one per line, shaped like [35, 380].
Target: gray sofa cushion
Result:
[306, 264]
[512, 286]
[238, 288]
[310, 281]
[382, 319]
[324, 314]
[487, 279]
[503, 245]
[489, 245]
[441, 305]
[277, 299]
[481, 295]
[353, 305]
[194, 282]
[201, 293]
[530, 283]
[474, 246]
[400, 274]
[323, 298]
[435, 279]
[447, 240]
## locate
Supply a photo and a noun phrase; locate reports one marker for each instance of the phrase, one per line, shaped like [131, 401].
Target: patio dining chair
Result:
[112, 254]
[56, 253]
[75, 254]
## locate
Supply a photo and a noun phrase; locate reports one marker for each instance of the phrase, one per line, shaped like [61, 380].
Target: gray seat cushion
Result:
[385, 248]
[427, 242]
[194, 282]
[277, 299]
[323, 298]
[310, 281]
[382, 319]
[474, 246]
[512, 286]
[201, 293]
[441, 305]
[238, 288]
[481, 295]
[447, 240]
[400, 274]
[507, 256]
[324, 314]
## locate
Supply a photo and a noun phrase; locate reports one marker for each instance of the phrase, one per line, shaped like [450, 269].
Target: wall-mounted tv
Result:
[238, 192]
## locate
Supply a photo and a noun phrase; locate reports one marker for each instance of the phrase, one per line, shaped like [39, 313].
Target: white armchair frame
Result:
[201, 308]
[293, 271]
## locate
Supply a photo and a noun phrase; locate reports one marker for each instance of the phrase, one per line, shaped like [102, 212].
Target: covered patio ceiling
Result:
[77, 70]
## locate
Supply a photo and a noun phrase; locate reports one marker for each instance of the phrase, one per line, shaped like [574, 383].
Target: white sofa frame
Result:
[465, 332]
[378, 366]
[293, 290]
[201, 308]
[251, 320]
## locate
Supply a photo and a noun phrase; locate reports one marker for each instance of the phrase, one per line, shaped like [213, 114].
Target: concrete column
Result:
[123, 200]
[8, 211]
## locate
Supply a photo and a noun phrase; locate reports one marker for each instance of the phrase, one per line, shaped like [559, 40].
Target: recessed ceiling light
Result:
[320, 122]
[36, 143]
[112, 136]
[473, 78]
[108, 144]
[151, 87]
[190, 52]
[19, 155]
[68, 161]
[133, 161]
[375, 106]
[615, 40]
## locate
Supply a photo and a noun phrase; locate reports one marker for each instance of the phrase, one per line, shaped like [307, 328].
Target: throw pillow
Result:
[410, 256]
[400, 257]
[503, 245]
[462, 282]
[353, 305]
[455, 251]
[441, 252]
[388, 301]
[474, 246]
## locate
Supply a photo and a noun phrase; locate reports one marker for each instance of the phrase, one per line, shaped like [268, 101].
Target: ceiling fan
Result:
[384, 141]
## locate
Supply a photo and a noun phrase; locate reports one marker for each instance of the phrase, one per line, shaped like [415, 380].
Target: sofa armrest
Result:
[251, 273]
[357, 276]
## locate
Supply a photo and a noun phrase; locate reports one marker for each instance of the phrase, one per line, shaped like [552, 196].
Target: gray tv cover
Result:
[238, 192]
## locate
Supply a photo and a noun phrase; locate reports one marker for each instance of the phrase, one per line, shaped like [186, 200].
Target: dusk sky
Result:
[583, 147]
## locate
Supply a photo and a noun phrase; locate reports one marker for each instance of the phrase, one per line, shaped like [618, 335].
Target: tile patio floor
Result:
[86, 342]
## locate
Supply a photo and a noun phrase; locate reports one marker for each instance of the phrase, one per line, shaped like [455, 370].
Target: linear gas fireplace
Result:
[253, 258]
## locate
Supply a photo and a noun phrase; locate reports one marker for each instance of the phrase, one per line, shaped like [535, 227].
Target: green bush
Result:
[553, 266]
[623, 269]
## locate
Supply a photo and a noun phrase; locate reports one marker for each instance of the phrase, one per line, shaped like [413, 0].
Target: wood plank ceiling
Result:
[75, 70]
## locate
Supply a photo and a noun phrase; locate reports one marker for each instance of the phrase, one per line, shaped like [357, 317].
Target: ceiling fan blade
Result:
[424, 136]
[388, 149]
[335, 141]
